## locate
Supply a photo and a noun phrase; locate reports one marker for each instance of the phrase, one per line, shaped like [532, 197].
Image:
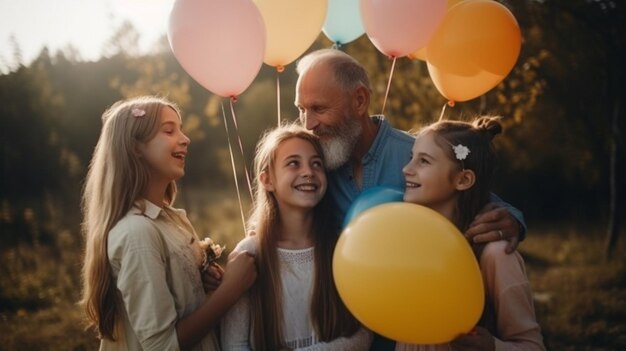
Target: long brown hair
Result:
[477, 136]
[329, 315]
[115, 180]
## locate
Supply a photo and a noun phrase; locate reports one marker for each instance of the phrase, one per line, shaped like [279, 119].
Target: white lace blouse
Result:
[297, 273]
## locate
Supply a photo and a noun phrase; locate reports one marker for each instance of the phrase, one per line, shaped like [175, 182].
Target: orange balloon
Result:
[453, 2]
[420, 54]
[407, 273]
[478, 39]
[456, 87]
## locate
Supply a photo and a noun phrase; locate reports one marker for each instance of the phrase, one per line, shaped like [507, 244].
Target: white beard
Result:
[339, 143]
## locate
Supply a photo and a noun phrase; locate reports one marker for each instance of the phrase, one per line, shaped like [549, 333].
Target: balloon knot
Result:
[451, 103]
[280, 68]
[233, 99]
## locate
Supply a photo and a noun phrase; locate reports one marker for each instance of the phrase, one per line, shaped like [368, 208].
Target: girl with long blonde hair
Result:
[142, 286]
[294, 303]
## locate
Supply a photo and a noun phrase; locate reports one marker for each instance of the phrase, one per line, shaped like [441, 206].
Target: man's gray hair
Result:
[348, 72]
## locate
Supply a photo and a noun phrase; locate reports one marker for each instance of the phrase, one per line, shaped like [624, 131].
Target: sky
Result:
[84, 24]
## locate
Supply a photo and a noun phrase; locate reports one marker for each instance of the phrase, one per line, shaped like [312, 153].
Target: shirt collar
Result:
[381, 136]
[151, 210]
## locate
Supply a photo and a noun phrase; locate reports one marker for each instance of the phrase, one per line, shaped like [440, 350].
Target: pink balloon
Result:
[400, 27]
[219, 43]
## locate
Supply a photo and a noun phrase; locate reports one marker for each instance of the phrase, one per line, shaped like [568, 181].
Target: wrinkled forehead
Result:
[318, 86]
[316, 73]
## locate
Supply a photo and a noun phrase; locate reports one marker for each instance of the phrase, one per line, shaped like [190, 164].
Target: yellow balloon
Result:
[476, 38]
[407, 273]
[291, 27]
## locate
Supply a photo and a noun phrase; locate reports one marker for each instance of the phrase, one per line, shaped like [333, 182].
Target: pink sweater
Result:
[509, 301]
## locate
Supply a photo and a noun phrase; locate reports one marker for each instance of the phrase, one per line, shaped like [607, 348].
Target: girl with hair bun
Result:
[451, 171]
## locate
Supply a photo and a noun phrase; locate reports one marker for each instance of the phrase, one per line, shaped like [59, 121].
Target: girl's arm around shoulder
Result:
[239, 275]
[249, 243]
[213, 278]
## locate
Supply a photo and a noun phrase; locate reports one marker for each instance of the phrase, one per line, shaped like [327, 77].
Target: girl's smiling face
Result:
[431, 175]
[165, 152]
[297, 178]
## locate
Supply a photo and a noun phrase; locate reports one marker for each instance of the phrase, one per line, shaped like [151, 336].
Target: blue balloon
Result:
[372, 197]
[343, 21]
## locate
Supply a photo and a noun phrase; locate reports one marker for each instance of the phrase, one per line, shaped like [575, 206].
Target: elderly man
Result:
[363, 151]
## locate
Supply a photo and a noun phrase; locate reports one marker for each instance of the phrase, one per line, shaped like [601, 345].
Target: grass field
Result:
[580, 298]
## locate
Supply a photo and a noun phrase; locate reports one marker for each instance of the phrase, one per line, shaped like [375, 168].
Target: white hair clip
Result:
[138, 112]
[461, 151]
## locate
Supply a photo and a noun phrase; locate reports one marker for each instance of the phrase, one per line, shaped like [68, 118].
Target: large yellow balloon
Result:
[292, 26]
[478, 40]
[407, 273]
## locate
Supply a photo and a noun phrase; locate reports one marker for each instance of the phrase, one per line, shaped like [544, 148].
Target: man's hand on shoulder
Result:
[494, 223]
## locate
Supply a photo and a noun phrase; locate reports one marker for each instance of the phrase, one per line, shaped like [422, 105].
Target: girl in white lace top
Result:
[294, 303]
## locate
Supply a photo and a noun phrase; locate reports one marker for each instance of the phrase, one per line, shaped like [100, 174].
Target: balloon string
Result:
[232, 111]
[443, 109]
[278, 95]
[393, 65]
[232, 162]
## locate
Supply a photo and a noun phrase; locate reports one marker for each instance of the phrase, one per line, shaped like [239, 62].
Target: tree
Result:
[603, 22]
[125, 41]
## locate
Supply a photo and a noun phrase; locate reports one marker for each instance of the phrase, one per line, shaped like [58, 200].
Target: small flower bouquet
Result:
[211, 251]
